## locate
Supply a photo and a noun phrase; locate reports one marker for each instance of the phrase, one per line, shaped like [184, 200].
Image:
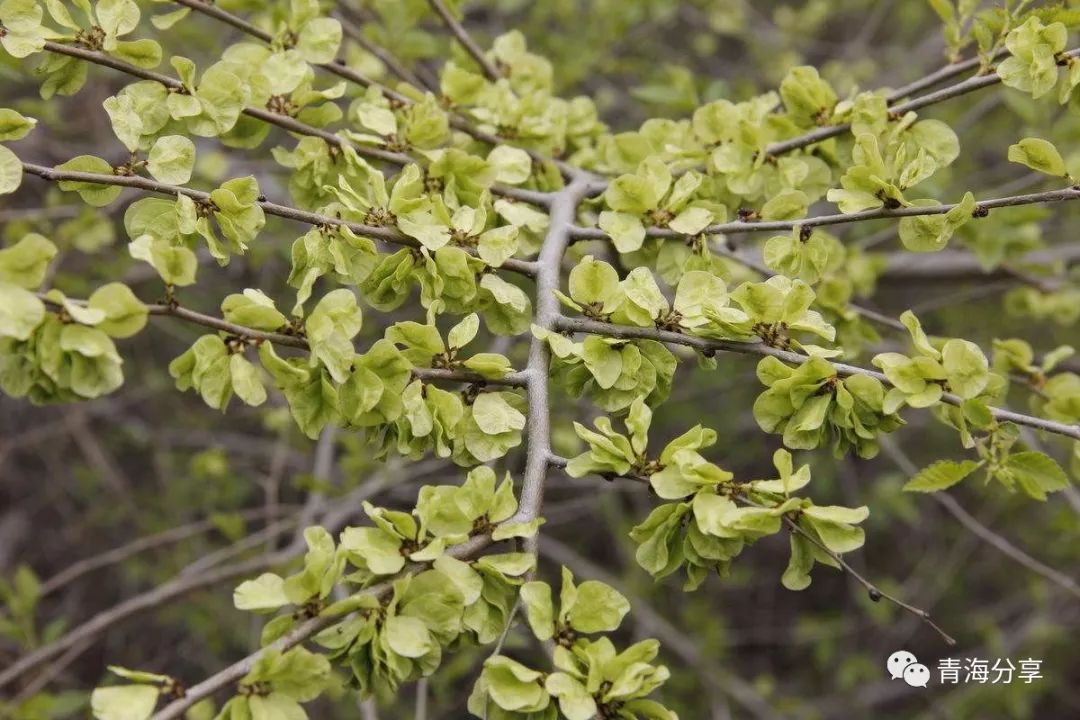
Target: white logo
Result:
[903, 665]
[916, 675]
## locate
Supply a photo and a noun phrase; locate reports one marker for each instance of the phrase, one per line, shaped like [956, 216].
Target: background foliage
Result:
[210, 490]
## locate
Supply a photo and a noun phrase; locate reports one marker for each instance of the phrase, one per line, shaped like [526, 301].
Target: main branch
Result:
[461, 34]
[538, 422]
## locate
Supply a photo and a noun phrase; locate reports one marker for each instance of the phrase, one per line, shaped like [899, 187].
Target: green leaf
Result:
[124, 702]
[597, 608]
[20, 312]
[333, 324]
[837, 536]
[626, 230]
[117, 17]
[166, 20]
[539, 610]
[263, 594]
[463, 333]
[788, 205]
[274, 706]
[246, 382]
[514, 687]
[378, 550]
[1036, 473]
[172, 159]
[94, 194]
[14, 125]
[253, 309]
[603, 361]
[512, 165]
[575, 702]
[10, 171]
[593, 282]
[125, 314]
[494, 415]
[797, 574]
[408, 636]
[930, 233]
[1039, 155]
[138, 676]
[837, 513]
[809, 99]
[318, 41]
[127, 124]
[941, 475]
[176, 264]
[144, 53]
[26, 262]
[966, 367]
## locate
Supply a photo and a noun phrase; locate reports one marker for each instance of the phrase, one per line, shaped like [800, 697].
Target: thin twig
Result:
[297, 635]
[947, 93]
[162, 594]
[743, 226]
[184, 583]
[421, 711]
[675, 640]
[948, 72]
[385, 234]
[117, 555]
[593, 327]
[954, 508]
[490, 71]
[49, 674]
[285, 122]
[516, 379]
[872, 590]
[387, 58]
[340, 68]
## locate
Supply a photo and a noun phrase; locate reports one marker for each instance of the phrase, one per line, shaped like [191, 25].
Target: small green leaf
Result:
[797, 574]
[138, 676]
[1039, 155]
[264, 593]
[536, 597]
[20, 311]
[1036, 473]
[246, 382]
[172, 159]
[124, 702]
[463, 333]
[14, 125]
[598, 608]
[95, 194]
[26, 262]
[593, 281]
[941, 475]
[10, 171]
[125, 314]
[494, 415]
[407, 636]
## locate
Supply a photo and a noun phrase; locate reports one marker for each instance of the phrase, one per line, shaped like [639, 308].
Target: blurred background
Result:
[178, 492]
